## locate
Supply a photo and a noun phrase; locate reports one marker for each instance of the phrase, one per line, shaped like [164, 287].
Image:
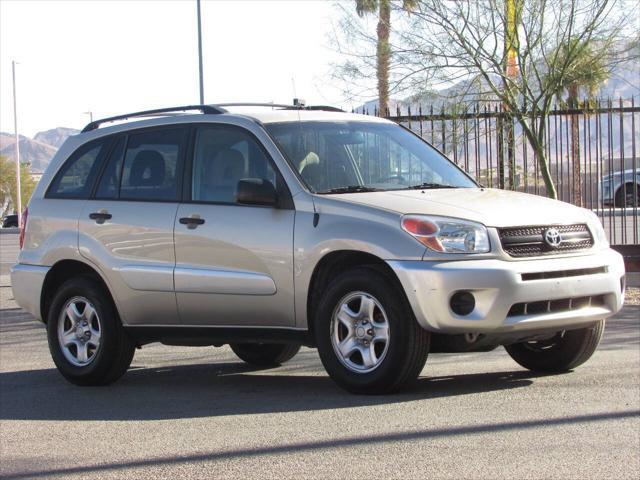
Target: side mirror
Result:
[256, 191]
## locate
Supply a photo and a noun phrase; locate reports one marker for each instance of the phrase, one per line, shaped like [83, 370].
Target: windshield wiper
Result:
[350, 189]
[429, 185]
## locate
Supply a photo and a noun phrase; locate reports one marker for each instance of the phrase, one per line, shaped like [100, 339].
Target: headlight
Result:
[447, 235]
[596, 229]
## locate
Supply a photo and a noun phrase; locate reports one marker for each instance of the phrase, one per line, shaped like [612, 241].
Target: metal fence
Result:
[592, 154]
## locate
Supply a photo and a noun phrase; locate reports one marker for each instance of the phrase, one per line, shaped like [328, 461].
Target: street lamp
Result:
[90, 113]
[18, 200]
[200, 54]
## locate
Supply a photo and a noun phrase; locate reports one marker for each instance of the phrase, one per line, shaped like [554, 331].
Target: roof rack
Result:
[282, 106]
[206, 109]
[253, 104]
[324, 108]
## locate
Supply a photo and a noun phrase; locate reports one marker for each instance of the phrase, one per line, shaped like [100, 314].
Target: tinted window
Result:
[110, 180]
[223, 156]
[151, 165]
[75, 178]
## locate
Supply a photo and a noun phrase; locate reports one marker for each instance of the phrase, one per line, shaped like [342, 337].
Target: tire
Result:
[564, 352]
[400, 346]
[265, 354]
[621, 201]
[108, 355]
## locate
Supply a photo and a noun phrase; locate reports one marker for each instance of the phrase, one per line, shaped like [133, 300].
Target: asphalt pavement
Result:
[201, 413]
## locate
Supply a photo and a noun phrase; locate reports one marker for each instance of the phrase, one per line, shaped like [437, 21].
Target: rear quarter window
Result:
[75, 178]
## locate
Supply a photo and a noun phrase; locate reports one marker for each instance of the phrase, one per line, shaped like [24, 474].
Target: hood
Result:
[491, 207]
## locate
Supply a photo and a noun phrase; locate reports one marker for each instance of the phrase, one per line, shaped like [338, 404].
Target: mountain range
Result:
[36, 151]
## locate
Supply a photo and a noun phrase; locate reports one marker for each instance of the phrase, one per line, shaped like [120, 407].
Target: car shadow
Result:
[209, 390]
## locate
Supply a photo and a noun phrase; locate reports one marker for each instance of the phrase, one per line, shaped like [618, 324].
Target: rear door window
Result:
[151, 167]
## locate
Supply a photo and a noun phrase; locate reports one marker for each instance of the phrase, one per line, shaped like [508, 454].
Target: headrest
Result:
[147, 169]
[227, 166]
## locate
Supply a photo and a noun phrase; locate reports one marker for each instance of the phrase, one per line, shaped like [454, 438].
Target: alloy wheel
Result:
[360, 332]
[79, 331]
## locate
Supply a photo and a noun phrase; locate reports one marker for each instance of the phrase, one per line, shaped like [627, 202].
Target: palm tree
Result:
[587, 72]
[383, 49]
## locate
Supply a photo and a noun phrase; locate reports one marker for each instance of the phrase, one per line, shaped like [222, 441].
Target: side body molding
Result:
[147, 277]
[196, 280]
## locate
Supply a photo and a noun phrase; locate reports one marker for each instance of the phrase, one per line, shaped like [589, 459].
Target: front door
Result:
[234, 263]
[127, 227]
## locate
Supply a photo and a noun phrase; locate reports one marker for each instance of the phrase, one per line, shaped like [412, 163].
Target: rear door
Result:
[126, 228]
[234, 263]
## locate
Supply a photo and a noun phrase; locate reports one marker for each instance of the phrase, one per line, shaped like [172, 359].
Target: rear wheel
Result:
[367, 336]
[564, 351]
[265, 354]
[86, 339]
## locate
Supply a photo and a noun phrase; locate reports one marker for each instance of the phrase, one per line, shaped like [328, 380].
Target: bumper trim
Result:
[27, 281]
[497, 285]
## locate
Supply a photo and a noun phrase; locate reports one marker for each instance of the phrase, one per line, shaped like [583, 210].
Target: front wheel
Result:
[265, 354]
[564, 351]
[86, 339]
[367, 336]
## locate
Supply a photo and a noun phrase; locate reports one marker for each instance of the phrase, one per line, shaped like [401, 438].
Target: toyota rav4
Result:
[280, 226]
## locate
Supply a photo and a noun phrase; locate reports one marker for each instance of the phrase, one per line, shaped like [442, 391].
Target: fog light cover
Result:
[462, 303]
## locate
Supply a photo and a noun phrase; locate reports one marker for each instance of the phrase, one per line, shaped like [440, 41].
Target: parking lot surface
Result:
[200, 412]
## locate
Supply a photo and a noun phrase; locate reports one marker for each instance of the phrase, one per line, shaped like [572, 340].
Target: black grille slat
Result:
[555, 306]
[563, 273]
[529, 241]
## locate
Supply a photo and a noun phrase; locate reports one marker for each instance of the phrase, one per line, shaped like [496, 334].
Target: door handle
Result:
[100, 217]
[191, 222]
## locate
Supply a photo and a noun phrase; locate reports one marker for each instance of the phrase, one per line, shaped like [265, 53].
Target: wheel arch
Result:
[333, 264]
[62, 271]
[625, 187]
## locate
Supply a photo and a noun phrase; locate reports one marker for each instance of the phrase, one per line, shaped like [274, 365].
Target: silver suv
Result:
[284, 226]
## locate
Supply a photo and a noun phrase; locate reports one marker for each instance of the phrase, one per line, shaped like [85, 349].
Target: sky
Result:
[117, 56]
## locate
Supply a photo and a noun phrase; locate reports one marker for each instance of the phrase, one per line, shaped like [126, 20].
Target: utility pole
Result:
[200, 54]
[18, 205]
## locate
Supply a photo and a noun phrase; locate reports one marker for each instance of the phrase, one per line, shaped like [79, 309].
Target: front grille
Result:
[530, 241]
[555, 306]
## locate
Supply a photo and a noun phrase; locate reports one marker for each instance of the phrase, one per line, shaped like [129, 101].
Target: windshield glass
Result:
[346, 157]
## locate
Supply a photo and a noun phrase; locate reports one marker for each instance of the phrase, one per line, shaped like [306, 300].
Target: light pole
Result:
[18, 200]
[200, 54]
[90, 113]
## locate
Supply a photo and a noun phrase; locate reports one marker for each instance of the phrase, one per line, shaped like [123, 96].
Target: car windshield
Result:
[351, 157]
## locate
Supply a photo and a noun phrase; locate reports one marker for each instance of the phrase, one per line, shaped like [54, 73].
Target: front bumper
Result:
[27, 281]
[498, 285]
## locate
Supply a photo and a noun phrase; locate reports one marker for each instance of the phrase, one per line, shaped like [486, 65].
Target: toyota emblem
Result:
[552, 237]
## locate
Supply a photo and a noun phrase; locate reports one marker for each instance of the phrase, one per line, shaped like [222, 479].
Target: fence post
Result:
[575, 156]
[500, 140]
